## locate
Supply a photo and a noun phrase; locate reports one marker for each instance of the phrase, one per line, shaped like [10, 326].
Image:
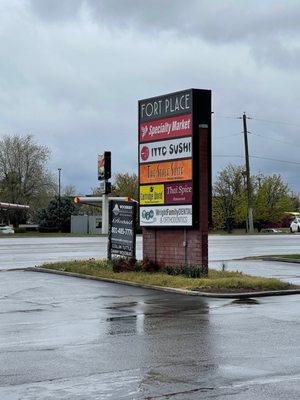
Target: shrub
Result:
[122, 264]
[150, 266]
[20, 230]
[188, 271]
[45, 229]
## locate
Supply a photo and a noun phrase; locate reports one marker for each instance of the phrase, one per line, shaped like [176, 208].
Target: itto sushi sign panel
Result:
[169, 157]
[166, 150]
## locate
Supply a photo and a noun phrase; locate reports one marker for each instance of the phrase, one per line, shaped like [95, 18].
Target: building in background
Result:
[86, 224]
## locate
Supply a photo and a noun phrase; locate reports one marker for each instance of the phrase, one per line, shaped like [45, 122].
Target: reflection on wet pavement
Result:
[92, 340]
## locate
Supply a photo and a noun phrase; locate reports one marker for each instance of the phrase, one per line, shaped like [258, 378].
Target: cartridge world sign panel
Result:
[169, 157]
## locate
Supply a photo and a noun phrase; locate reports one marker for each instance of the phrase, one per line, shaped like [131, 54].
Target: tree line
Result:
[25, 179]
[271, 197]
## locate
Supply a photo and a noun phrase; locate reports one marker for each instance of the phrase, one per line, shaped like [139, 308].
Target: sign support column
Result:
[104, 173]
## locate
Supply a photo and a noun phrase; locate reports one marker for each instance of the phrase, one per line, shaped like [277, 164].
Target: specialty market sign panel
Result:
[166, 128]
[169, 162]
[122, 223]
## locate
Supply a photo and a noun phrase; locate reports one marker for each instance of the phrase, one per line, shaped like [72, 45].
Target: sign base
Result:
[176, 247]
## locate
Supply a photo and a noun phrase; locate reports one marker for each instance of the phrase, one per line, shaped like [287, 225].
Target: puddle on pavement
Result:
[247, 301]
[23, 311]
[116, 306]
[183, 393]
[121, 317]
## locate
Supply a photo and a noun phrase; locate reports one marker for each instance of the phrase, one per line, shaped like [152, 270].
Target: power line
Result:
[227, 136]
[266, 137]
[276, 159]
[227, 155]
[274, 139]
[224, 116]
[258, 119]
[275, 122]
[259, 157]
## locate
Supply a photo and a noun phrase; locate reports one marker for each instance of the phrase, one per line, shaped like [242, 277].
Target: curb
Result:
[244, 295]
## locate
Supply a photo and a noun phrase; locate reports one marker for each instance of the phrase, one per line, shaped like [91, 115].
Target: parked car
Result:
[295, 225]
[271, 230]
[6, 229]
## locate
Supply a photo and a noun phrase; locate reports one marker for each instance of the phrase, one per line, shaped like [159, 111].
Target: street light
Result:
[59, 176]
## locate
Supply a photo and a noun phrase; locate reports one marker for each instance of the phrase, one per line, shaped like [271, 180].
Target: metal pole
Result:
[249, 185]
[105, 214]
[59, 198]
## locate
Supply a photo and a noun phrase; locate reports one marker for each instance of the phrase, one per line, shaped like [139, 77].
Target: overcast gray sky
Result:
[72, 71]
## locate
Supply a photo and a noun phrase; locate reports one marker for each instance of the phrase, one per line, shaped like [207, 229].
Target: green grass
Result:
[289, 256]
[217, 281]
[293, 256]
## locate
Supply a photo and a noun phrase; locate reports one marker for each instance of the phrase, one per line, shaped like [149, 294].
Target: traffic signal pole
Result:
[105, 204]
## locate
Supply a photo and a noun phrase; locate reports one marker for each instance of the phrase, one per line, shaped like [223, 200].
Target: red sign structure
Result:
[175, 165]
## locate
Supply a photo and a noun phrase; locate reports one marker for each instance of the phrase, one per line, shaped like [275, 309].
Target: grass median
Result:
[289, 256]
[277, 257]
[216, 281]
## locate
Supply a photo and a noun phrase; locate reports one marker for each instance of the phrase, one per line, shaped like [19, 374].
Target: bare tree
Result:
[125, 185]
[24, 177]
[228, 195]
[69, 190]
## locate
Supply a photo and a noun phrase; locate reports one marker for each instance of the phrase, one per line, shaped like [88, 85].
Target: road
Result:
[72, 339]
[30, 251]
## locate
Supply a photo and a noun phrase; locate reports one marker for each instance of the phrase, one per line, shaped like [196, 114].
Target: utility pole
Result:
[59, 198]
[248, 177]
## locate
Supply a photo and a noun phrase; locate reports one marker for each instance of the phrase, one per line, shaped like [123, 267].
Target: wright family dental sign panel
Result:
[168, 162]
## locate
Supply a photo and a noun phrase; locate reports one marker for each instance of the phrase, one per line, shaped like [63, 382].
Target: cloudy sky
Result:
[72, 71]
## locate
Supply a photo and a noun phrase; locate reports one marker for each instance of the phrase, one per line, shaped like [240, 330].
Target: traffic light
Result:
[104, 166]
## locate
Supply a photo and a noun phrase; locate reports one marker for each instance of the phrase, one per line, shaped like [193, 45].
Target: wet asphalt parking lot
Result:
[25, 252]
[69, 338]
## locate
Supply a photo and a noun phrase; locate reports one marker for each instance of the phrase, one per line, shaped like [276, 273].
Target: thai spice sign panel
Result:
[122, 228]
[168, 159]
